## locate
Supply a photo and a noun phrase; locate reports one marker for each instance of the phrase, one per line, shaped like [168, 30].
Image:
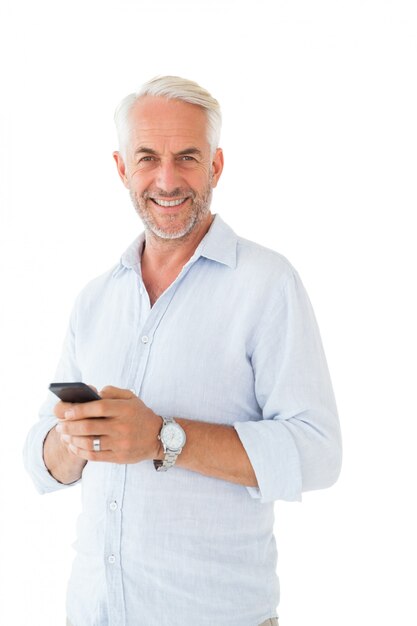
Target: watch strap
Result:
[169, 461]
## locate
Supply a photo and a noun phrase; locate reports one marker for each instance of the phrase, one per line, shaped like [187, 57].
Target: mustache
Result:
[178, 192]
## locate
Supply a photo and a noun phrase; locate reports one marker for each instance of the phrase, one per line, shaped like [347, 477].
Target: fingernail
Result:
[68, 414]
[58, 428]
[66, 438]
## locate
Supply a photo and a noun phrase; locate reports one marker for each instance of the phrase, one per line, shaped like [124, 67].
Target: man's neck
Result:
[168, 254]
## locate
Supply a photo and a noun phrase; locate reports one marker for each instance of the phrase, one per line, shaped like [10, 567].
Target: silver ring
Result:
[96, 445]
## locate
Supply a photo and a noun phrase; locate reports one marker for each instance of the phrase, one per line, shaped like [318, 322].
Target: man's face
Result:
[167, 166]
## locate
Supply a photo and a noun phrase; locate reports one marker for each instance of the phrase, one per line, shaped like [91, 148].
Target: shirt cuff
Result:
[33, 458]
[275, 460]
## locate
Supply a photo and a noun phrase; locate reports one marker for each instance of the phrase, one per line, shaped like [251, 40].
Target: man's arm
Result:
[215, 450]
[129, 434]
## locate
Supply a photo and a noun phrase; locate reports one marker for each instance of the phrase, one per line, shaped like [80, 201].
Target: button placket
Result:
[145, 320]
[112, 544]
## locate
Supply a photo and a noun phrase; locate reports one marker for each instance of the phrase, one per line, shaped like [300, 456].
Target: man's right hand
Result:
[62, 464]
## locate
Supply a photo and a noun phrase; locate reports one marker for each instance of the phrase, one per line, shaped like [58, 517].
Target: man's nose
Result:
[168, 177]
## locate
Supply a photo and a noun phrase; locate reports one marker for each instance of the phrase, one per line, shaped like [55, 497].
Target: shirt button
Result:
[113, 506]
[112, 559]
[145, 339]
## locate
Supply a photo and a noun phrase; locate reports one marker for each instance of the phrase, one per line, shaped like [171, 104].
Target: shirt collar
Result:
[219, 244]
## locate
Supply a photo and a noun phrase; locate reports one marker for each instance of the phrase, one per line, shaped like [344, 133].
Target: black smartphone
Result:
[74, 392]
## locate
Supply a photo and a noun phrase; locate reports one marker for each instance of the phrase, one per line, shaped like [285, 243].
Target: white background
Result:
[320, 137]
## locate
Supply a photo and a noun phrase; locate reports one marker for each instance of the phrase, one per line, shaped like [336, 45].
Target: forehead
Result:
[155, 119]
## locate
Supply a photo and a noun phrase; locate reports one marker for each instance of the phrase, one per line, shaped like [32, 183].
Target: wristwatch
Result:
[173, 438]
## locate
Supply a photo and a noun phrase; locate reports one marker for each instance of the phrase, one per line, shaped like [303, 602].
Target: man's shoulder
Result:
[255, 258]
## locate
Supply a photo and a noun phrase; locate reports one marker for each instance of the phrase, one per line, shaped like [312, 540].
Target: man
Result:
[220, 400]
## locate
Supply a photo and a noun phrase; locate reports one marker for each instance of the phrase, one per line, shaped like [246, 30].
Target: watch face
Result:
[173, 436]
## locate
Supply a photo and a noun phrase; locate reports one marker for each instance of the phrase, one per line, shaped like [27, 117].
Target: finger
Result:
[85, 427]
[87, 455]
[94, 408]
[73, 412]
[62, 407]
[99, 408]
[116, 393]
[59, 409]
[87, 443]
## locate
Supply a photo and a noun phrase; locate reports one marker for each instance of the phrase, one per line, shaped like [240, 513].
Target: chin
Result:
[175, 231]
[163, 233]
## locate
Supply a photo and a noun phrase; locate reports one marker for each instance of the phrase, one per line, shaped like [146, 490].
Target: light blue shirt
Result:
[234, 341]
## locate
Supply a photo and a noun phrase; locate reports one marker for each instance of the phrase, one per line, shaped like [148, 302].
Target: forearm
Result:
[215, 450]
[64, 466]
[130, 432]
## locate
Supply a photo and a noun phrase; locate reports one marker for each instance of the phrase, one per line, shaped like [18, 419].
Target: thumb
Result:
[115, 393]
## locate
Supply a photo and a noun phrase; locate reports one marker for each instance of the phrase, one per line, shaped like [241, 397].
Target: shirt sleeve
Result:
[67, 371]
[296, 447]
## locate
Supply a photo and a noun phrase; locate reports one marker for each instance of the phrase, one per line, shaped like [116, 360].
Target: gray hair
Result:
[176, 88]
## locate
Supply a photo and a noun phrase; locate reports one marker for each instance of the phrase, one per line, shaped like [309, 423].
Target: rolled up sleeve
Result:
[33, 459]
[296, 447]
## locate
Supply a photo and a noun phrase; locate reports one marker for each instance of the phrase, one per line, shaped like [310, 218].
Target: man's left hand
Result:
[128, 430]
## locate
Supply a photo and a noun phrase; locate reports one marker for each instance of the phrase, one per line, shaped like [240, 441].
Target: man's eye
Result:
[186, 157]
[147, 158]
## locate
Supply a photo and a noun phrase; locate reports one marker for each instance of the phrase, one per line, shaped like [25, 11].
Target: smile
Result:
[169, 203]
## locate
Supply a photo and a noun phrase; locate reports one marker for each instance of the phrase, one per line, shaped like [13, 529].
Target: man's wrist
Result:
[158, 453]
[61, 464]
[172, 438]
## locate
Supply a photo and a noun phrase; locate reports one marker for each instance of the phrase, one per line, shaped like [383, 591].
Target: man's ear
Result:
[217, 166]
[121, 168]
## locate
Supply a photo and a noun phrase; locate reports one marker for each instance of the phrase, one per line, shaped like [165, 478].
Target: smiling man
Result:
[168, 167]
[215, 401]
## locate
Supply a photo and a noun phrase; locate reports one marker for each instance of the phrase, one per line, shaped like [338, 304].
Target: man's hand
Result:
[128, 430]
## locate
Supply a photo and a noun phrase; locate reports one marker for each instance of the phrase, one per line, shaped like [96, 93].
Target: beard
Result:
[170, 228]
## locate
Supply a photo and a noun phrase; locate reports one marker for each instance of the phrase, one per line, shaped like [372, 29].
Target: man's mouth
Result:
[168, 203]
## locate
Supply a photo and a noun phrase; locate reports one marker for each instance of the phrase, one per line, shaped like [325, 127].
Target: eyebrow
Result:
[191, 150]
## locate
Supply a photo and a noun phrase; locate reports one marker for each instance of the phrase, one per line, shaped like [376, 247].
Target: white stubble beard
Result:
[200, 209]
